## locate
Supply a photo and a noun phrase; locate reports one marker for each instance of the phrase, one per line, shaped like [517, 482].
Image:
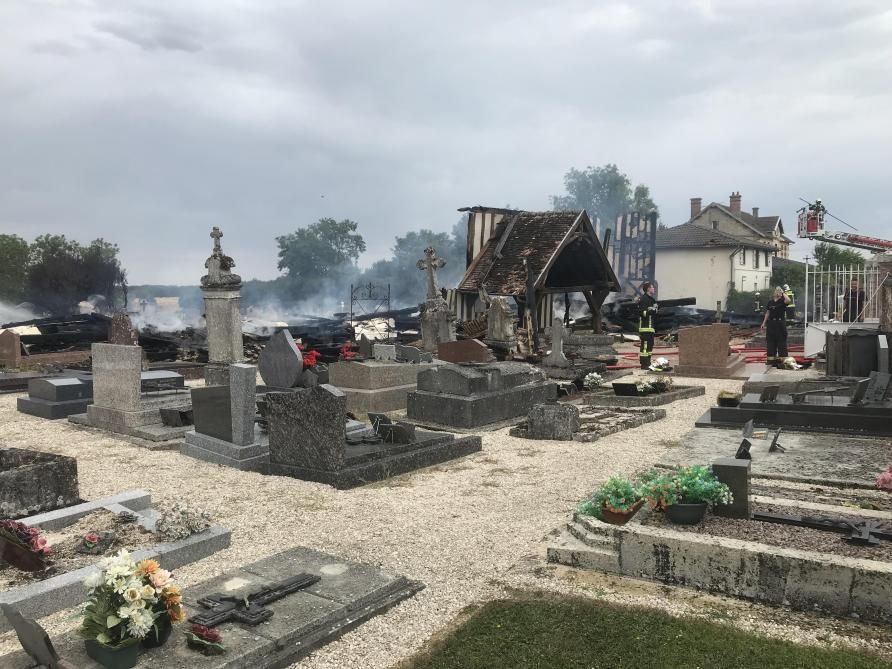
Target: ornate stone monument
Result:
[437, 320]
[222, 303]
[501, 325]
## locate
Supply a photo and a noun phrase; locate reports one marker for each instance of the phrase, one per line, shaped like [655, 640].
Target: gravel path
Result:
[468, 529]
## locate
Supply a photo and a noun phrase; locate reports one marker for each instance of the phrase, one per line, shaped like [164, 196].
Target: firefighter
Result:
[791, 306]
[647, 308]
[776, 327]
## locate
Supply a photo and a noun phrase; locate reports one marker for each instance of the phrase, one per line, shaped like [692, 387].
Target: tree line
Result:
[53, 273]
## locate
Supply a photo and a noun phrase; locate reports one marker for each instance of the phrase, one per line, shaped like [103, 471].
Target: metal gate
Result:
[842, 294]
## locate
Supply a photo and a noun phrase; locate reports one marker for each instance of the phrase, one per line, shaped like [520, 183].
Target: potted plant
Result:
[129, 605]
[615, 502]
[592, 380]
[685, 494]
[22, 546]
[728, 398]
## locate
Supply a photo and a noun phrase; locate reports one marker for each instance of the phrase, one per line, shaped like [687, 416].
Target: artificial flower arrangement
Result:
[129, 602]
[884, 480]
[209, 641]
[311, 358]
[617, 497]
[28, 549]
[592, 380]
[686, 485]
[346, 353]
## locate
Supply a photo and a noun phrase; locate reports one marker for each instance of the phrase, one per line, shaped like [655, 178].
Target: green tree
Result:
[14, 253]
[400, 271]
[792, 274]
[61, 273]
[320, 256]
[828, 256]
[605, 193]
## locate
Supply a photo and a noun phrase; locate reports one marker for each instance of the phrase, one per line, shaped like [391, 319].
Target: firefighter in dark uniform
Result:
[647, 309]
[776, 327]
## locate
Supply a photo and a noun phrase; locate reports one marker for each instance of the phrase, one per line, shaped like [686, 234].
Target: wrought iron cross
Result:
[216, 235]
[431, 263]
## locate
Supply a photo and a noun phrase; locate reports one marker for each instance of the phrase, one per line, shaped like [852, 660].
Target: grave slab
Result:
[10, 349]
[373, 385]
[821, 459]
[703, 352]
[281, 363]
[464, 350]
[347, 595]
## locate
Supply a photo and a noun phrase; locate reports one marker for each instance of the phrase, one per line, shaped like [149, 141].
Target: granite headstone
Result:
[281, 362]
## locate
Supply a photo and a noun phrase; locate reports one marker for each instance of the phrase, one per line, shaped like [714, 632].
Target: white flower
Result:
[132, 595]
[141, 622]
[94, 580]
[124, 612]
[147, 592]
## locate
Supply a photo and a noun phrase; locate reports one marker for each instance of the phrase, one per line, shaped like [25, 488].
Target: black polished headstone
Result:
[743, 451]
[212, 412]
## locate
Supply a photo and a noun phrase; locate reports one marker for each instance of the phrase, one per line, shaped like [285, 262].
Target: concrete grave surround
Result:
[607, 398]
[225, 432]
[703, 351]
[42, 598]
[464, 350]
[803, 580]
[307, 440]
[33, 482]
[10, 349]
[384, 352]
[118, 404]
[372, 385]
[281, 363]
[347, 595]
[471, 396]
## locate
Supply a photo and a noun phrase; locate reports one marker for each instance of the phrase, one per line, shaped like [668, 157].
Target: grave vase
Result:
[159, 634]
[113, 657]
[686, 514]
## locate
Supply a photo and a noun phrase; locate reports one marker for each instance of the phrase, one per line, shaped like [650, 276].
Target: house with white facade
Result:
[733, 220]
[705, 263]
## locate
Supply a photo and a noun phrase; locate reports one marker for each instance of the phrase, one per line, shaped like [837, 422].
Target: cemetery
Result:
[406, 477]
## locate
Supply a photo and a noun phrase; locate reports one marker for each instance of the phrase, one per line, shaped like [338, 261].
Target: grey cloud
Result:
[151, 36]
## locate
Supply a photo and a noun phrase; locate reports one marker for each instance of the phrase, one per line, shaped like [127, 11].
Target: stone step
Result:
[595, 540]
[570, 551]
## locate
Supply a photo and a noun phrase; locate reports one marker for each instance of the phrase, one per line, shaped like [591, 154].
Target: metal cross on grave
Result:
[216, 234]
[431, 263]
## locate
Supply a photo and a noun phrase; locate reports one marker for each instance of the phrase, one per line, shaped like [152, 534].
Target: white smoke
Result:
[15, 314]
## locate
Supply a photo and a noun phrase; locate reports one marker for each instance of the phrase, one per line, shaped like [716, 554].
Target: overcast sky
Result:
[147, 122]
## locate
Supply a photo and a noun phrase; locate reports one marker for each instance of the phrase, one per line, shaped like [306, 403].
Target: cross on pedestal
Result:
[431, 264]
[216, 234]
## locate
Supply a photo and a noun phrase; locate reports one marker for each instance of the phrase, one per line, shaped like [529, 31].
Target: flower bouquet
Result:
[592, 380]
[22, 546]
[207, 640]
[128, 605]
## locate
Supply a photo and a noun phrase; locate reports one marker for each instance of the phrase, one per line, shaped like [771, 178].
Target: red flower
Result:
[206, 633]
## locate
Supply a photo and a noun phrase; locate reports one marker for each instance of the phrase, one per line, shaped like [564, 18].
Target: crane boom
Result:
[811, 226]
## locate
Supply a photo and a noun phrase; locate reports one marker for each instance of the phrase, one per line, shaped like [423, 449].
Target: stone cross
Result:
[216, 234]
[431, 263]
[557, 358]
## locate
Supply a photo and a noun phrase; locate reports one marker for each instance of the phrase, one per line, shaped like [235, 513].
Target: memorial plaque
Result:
[879, 384]
[212, 411]
[748, 430]
[860, 392]
[743, 451]
[775, 447]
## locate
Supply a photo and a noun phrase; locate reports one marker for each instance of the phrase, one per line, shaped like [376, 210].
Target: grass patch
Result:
[546, 631]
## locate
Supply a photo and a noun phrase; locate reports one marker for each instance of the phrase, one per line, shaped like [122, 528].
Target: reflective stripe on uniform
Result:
[646, 330]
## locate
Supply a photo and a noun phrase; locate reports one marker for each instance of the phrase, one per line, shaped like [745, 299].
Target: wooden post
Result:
[595, 300]
[885, 297]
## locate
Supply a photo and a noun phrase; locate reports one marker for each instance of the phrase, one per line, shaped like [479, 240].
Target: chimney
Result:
[755, 212]
[695, 205]
[735, 202]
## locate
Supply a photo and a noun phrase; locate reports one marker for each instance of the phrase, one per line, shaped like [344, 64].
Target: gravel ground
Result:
[470, 530]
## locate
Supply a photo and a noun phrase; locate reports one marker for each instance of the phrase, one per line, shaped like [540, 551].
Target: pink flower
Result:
[884, 480]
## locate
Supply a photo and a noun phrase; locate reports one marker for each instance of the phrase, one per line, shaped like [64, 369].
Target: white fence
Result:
[842, 294]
